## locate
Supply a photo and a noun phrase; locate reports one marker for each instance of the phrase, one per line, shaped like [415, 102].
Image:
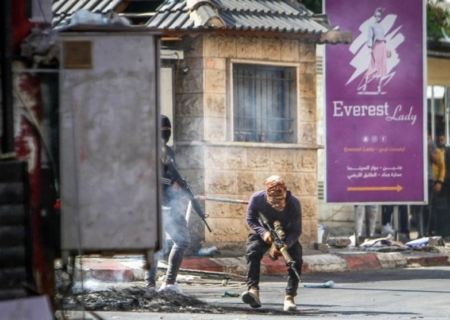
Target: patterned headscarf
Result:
[276, 192]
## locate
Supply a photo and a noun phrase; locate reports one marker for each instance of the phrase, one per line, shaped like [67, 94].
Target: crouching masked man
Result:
[276, 203]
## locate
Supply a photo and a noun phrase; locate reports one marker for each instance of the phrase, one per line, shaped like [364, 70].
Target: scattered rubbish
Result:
[137, 299]
[225, 282]
[187, 278]
[126, 298]
[132, 299]
[338, 242]
[230, 294]
[328, 284]
[425, 241]
[385, 244]
[418, 242]
[207, 251]
[321, 247]
[437, 241]
[377, 242]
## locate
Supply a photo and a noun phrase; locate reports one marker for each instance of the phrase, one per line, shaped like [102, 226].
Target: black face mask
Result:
[441, 145]
[165, 135]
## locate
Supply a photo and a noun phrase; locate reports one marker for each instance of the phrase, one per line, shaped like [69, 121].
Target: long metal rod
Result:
[34, 70]
[221, 199]
[6, 76]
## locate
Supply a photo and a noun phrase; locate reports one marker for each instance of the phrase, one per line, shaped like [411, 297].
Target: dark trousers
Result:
[256, 248]
[386, 216]
[442, 217]
[424, 217]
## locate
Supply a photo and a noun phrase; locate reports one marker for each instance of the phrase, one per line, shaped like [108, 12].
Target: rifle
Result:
[279, 244]
[177, 177]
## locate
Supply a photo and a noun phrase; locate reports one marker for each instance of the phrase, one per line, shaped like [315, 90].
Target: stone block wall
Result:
[236, 172]
[215, 165]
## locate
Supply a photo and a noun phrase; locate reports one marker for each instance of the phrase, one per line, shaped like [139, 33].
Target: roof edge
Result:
[301, 36]
[329, 37]
[336, 37]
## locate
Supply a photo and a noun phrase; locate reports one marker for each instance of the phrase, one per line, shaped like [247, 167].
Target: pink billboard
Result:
[375, 103]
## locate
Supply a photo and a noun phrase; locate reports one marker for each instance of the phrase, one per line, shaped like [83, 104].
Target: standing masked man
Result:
[277, 204]
[174, 222]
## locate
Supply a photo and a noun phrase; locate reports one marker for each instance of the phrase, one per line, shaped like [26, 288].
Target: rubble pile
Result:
[134, 299]
[139, 299]
[387, 244]
[341, 237]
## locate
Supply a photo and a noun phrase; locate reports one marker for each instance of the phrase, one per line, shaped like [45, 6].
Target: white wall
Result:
[167, 97]
[328, 214]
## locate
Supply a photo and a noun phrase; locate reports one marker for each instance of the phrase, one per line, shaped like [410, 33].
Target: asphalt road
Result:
[383, 294]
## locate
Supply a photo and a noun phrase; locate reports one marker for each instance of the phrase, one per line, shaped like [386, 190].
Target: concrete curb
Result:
[428, 260]
[361, 261]
[132, 269]
[324, 263]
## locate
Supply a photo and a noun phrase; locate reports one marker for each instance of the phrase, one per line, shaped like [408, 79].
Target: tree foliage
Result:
[313, 5]
[438, 19]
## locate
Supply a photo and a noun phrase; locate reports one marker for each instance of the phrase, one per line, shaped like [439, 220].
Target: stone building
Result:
[234, 56]
[239, 82]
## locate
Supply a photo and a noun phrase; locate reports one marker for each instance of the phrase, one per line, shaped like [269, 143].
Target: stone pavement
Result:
[233, 264]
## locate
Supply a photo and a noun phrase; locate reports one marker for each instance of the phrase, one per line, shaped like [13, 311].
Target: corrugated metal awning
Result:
[282, 18]
[260, 18]
[64, 9]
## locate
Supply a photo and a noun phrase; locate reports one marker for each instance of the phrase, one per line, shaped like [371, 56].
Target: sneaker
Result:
[289, 304]
[151, 288]
[170, 287]
[387, 229]
[251, 297]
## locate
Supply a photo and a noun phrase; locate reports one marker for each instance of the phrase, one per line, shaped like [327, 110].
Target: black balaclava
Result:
[165, 133]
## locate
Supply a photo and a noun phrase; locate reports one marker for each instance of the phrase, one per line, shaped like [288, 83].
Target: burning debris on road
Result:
[97, 296]
[139, 299]
[72, 296]
[133, 299]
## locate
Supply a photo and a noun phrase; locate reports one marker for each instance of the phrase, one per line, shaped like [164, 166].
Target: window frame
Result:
[274, 64]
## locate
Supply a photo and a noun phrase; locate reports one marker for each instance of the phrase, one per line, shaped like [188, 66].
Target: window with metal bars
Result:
[264, 103]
